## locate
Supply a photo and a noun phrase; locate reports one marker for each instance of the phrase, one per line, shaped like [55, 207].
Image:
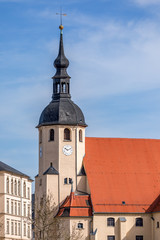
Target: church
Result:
[107, 188]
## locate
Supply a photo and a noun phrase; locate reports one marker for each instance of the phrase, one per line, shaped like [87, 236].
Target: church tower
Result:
[61, 138]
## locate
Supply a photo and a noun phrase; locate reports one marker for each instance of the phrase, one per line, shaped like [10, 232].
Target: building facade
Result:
[105, 188]
[15, 204]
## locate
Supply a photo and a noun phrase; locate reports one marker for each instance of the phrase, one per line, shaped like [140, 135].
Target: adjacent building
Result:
[15, 204]
[107, 188]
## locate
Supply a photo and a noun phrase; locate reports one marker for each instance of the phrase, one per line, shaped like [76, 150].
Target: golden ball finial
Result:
[61, 27]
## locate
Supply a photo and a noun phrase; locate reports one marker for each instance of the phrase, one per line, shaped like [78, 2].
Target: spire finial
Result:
[61, 14]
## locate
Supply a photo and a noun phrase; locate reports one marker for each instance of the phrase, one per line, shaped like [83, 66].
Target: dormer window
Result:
[51, 137]
[67, 136]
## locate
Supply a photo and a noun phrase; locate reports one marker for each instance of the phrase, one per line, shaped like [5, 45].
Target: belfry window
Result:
[139, 222]
[80, 135]
[58, 88]
[110, 222]
[67, 136]
[51, 137]
[63, 87]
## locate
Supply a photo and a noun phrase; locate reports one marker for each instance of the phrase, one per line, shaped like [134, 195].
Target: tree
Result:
[47, 226]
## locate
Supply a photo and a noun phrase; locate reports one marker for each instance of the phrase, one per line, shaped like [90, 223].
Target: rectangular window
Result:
[157, 224]
[12, 207]
[24, 229]
[111, 237]
[29, 210]
[7, 205]
[15, 228]
[24, 209]
[139, 237]
[19, 209]
[15, 207]
[19, 229]
[70, 180]
[7, 230]
[12, 228]
[28, 231]
[28, 190]
[65, 181]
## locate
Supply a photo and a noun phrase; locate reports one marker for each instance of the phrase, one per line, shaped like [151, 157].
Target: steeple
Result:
[61, 80]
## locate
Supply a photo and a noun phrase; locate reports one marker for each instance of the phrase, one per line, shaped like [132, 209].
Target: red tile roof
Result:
[76, 206]
[123, 170]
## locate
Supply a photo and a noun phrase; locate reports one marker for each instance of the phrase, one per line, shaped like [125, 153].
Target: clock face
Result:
[67, 150]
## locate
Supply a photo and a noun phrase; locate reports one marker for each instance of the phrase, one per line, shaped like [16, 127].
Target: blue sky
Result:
[114, 51]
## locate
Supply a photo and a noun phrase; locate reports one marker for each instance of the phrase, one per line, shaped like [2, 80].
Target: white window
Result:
[12, 186]
[15, 204]
[15, 187]
[24, 209]
[15, 228]
[19, 208]
[28, 190]
[19, 229]
[7, 230]
[24, 189]
[29, 210]
[24, 229]
[12, 228]
[19, 188]
[28, 231]
[7, 185]
[7, 205]
[11, 207]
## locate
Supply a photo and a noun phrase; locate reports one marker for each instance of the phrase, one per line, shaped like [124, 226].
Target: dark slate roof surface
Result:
[51, 170]
[7, 168]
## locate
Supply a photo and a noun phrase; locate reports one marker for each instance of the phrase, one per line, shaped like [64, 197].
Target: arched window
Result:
[7, 185]
[51, 137]
[40, 136]
[67, 136]
[12, 186]
[24, 189]
[19, 188]
[15, 187]
[80, 135]
[58, 88]
[139, 222]
[110, 222]
[63, 87]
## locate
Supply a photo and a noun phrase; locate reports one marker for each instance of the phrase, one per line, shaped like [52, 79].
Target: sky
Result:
[114, 49]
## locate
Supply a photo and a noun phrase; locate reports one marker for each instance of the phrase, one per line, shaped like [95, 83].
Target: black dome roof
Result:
[62, 112]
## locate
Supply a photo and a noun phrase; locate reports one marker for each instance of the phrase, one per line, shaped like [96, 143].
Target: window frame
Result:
[110, 222]
[67, 135]
[139, 222]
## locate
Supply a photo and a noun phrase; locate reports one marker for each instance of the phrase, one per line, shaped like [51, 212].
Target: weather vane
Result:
[61, 14]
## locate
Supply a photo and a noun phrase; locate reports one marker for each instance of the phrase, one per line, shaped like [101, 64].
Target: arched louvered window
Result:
[51, 137]
[67, 134]
[110, 222]
[139, 222]
[80, 135]
[7, 185]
